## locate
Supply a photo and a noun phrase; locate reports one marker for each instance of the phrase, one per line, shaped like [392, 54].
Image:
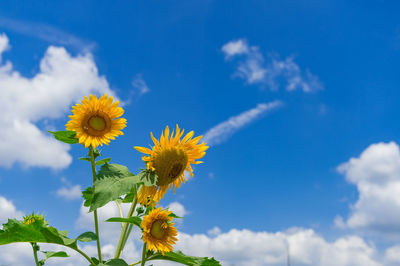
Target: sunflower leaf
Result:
[95, 260]
[113, 181]
[65, 136]
[130, 196]
[103, 161]
[87, 237]
[53, 254]
[14, 231]
[132, 220]
[178, 256]
[87, 195]
[114, 262]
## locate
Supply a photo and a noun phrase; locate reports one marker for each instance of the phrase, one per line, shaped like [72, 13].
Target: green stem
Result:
[136, 263]
[34, 247]
[123, 236]
[119, 209]
[96, 221]
[144, 254]
[86, 256]
[130, 226]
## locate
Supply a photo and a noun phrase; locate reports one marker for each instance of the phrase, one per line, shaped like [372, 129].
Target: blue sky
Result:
[215, 67]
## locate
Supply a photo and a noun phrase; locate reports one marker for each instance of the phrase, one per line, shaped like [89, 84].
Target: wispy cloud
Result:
[254, 68]
[45, 32]
[226, 129]
[139, 84]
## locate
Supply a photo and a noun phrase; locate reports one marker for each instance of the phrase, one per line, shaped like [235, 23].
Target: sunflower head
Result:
[34, 219]
[169, 158]
[96, 121]
[158, 231]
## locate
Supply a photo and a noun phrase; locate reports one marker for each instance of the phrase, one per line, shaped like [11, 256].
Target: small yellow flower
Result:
[34, 218]
[96, 121]
[169, 158]
[158, 231]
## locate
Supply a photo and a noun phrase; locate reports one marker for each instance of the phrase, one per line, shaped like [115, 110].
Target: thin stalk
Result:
[120, 211]
[144, 254]
[86, 256]
[96, 221]
[34, 247]
[125, 227]
[136, 263]
[130, 226]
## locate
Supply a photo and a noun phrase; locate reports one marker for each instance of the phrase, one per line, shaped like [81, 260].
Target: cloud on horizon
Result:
[239, 247]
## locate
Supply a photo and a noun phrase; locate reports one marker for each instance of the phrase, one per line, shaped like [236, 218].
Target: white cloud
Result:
[70, 193]
[62, 80]
[139, 84]
[392, 256]
[8, 210]
[376, 173]
[177, 208]
[224, 130]
[235, 48]
[214, 231]
[244, 247]
[253, 67]
[4, 44]
[16, 254]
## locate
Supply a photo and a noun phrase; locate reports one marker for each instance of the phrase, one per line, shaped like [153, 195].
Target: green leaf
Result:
[178, 256]
[114, 262]
[53, 254]
[132, 220]
[103, 161]
[95, 260]
[113, 181]
[173, 215]
[65, 136]
[87, 195]
[130, 196]
[85, 159]
[15, 231]
[87, 237]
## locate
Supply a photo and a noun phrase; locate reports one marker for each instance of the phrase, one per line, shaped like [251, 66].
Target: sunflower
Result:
[158, 231]
[169, 158]
[96, 121]
[34, 218]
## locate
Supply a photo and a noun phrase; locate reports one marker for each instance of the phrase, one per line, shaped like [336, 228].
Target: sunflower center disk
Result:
[158, 229]
[97, 123]
[169, 165]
